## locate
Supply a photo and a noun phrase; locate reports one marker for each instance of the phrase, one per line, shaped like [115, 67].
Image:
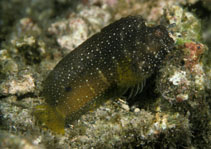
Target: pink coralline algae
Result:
[192, 58]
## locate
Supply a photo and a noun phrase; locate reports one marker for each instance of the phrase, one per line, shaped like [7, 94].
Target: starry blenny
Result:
[120, 57]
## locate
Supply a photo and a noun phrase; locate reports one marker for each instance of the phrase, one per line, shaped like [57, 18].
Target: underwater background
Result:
[173, 109]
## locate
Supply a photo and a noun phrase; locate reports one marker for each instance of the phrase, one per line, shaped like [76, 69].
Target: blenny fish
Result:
[120, 57]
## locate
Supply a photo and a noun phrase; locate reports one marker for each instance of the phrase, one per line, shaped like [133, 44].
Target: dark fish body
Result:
[120, 57]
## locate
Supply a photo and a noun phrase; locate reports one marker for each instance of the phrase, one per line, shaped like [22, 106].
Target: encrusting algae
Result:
[121, 57]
